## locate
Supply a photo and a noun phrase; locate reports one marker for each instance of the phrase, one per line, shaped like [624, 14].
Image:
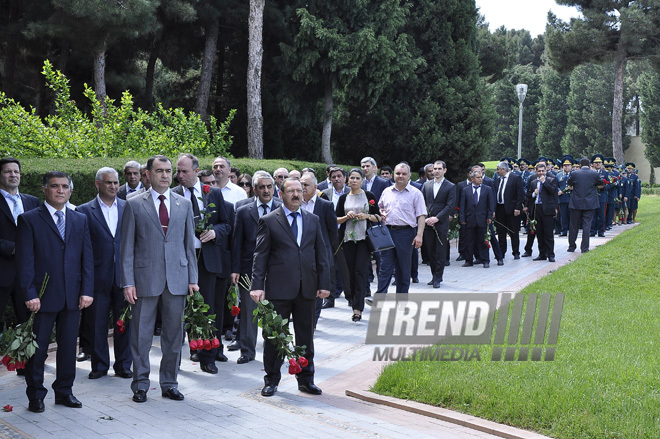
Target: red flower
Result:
[215, 343]
[303, 362]
[606, 181]
[294, 367]
[207, 345]
[372, 202]
[21, 364]
[11, 367]
[6, 360]
[206, 189]
[193, 345]
[458, 208]
[7, 408]
[235, 311]
[120, 326]
[532, 232]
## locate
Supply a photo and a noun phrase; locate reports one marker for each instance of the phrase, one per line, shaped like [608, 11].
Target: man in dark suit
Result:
[54, 240]
[325, 210]
[326, 182]
[372, 182]
[158, 264]
[104, 214]
[462, 236]
[583, 184]
[338, 186]
[439, 195]
[12, 204]
[132, 175]
[244, 242]
[509, 196]
[476, 214]
[543, 203]
[290, 270]
[212, 224]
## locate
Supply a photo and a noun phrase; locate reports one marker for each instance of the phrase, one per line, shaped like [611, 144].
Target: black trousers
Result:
[436, 245]
[358, 259]
[508, 225]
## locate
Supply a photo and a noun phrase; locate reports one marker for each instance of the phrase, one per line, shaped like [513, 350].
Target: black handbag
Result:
[379, 238]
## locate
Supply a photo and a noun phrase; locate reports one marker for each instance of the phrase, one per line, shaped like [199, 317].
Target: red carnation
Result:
[235, 311]
[215, 343]
[7, 408]
[294, 367]
[11, 367]
[302, 361]
[207, 345]
[606, 181]
[206, 189]
[21, 364]
[6, 360]
[532, 232]
[120, 326]
[193, 345]
[458, 208]
[372, 202]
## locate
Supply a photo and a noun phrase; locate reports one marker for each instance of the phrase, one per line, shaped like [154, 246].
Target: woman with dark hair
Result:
[245, 181]
[354, 209]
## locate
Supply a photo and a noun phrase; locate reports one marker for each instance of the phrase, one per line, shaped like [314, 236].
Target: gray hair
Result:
[403, 164]
[106, 170]
[475, 172]
[312, 177]
[132, 164]
[369, 159]
[262, 175]
[503, 165]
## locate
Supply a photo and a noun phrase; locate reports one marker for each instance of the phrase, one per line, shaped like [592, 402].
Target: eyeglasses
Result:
[244, 184]
[280, 177]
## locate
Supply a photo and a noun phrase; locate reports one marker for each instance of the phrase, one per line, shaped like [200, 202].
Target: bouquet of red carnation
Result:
[19, 343]
[199, 324]
[123, 318]
[232, 301]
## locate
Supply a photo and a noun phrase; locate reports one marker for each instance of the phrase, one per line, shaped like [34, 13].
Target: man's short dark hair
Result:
[55, 174]
[335, 169]
[235, 171]
[7, 160]
[386, 168]
[162, 158]
[585, 162]
[204, 173]
[192, 157]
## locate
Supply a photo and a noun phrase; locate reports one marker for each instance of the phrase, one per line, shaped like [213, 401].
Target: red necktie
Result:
[162, 214]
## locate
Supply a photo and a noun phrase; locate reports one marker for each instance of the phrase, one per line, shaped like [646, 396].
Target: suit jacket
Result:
[104, 245]
[514, 193]
[327, 193]
[241, 203]
[8, 237]
[476, 215]
[442, 205]
[69, 263]
[549, 197]
[280, 267]
[219, 219]
[122, 193]
[245, 236]
[584, 195]
[151, 259]
[323, 185]
[377, 187]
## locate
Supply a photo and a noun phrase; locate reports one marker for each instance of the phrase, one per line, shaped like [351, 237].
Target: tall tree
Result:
[209, 13]
[552, 116]
[348, 49]
[649, 89]
[255, 126]
[610, 31]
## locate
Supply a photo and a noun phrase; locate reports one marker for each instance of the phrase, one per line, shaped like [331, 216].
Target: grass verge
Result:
[605, 379]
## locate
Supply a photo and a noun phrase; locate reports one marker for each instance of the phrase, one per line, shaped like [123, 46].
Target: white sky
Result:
[522, 14]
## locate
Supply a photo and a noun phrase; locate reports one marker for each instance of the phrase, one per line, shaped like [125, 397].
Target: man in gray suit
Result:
[584, 184]
[157, 262]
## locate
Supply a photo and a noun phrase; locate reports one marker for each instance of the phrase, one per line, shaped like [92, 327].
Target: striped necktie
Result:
[61, 226]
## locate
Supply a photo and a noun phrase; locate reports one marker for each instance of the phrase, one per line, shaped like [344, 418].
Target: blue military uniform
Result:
[564, 196]
[634, 192]
[598, 223]
[612, 192]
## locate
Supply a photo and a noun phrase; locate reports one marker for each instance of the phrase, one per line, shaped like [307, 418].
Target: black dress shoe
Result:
[37, 406]
[157, 332]
[571, 248]
[460, 258]
[194, 357]
[526, 255]
[592, 234]
[467, 264]
[328, 304]
[221, 357]
[500, 262]
[551, 259]
[310, 388]
[244, 359]
[430, 282]
[516, 256]
[601, 234]
[96, 374]
[173, 394]
[415, 280]
[436, 284]
[447, 263]
[140, 396]
[486, 264]
[124, 373]
[369, 301]
[268, 390]
[82, 356]
[234, 345]
[563, 234]
[209, 368]
[69, 401]
[585, 251]
[539, 258]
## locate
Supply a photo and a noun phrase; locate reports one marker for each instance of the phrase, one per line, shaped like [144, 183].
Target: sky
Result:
[522, 14]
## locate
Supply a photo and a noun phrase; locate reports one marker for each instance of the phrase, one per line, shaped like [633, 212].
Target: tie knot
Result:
[294, 215]
[161, 197]
[59, 214]
[477, 187]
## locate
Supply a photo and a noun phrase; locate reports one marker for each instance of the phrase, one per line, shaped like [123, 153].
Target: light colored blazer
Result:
[149, 258]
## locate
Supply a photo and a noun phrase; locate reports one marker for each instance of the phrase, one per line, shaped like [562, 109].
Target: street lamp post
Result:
[521, 90]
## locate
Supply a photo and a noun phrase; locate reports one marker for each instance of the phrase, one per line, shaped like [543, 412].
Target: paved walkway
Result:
[230, 405]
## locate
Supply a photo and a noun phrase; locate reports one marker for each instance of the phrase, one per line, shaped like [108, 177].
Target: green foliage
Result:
[553, 108]
[650, 115]
[121, 132]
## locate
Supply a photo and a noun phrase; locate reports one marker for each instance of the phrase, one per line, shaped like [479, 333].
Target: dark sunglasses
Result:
[244, 183]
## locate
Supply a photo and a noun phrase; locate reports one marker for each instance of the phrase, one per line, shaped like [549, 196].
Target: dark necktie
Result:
[162, 214]
[61, 226]
[131, 190]
[265, 209]
[475, 195]
[538, 197]
[294, 225]
[500, 195]
[195, 204]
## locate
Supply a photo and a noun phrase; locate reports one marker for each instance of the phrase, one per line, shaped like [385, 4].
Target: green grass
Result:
[605, 380]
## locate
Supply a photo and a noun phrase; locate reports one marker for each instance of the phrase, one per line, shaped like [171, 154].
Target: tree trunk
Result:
[204, 89]
[218, 108]
[617, 110]
[255, 120]
[148, 97]
[99, 73]
[327, 124]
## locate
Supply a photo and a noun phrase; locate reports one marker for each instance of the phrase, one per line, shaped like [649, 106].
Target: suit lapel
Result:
[254, 211]
[4, 207]
[45, 216]
[284, 222]
[148, 206]
[98, 214]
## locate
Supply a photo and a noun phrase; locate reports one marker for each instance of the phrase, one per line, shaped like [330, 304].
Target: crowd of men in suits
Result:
[149, 244]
